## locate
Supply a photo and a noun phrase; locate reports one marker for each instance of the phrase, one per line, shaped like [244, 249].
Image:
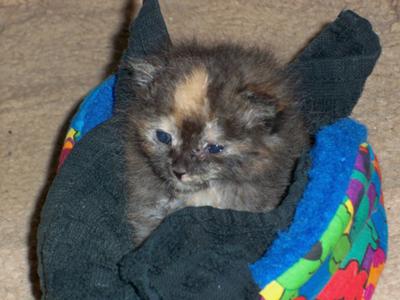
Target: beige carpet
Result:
[53, 51]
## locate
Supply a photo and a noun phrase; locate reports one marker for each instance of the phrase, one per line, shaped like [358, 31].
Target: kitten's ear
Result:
[263, 105]
[142, 71]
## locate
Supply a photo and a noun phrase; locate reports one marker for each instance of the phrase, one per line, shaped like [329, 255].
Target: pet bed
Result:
[328, 239]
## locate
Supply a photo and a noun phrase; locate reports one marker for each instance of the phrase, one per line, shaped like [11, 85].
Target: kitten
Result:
[207, 125]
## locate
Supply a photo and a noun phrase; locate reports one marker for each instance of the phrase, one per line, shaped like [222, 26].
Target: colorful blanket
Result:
[347, 259]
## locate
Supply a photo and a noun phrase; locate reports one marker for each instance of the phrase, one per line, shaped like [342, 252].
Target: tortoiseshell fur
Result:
[224, 94]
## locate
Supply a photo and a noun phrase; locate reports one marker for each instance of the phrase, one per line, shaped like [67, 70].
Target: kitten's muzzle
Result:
[182, 165]
[180, 168]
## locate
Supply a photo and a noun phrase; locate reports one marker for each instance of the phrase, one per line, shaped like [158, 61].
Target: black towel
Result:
[334, 68]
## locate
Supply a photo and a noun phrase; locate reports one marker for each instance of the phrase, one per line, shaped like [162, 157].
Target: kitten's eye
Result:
[164, 137]
[214, 148]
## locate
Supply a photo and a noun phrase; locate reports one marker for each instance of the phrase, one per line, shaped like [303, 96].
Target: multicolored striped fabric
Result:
[348, 258]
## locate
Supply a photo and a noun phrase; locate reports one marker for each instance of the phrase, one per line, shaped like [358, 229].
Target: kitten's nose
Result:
[180, 166]
[179, 173]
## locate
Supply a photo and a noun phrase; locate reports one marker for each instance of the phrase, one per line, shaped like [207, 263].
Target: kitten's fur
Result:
[228, 95]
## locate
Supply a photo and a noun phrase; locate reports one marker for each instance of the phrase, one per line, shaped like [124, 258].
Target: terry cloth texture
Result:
[334, 68]
[148, 33]
[82, 236]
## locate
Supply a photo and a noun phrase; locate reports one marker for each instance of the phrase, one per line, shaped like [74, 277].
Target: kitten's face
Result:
[198, 123]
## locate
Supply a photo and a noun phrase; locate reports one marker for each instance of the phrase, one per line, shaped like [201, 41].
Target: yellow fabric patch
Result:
[272, 291]
[71, 133]
[350, 209]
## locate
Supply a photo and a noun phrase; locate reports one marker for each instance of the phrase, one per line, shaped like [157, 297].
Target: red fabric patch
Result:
[347, 284]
